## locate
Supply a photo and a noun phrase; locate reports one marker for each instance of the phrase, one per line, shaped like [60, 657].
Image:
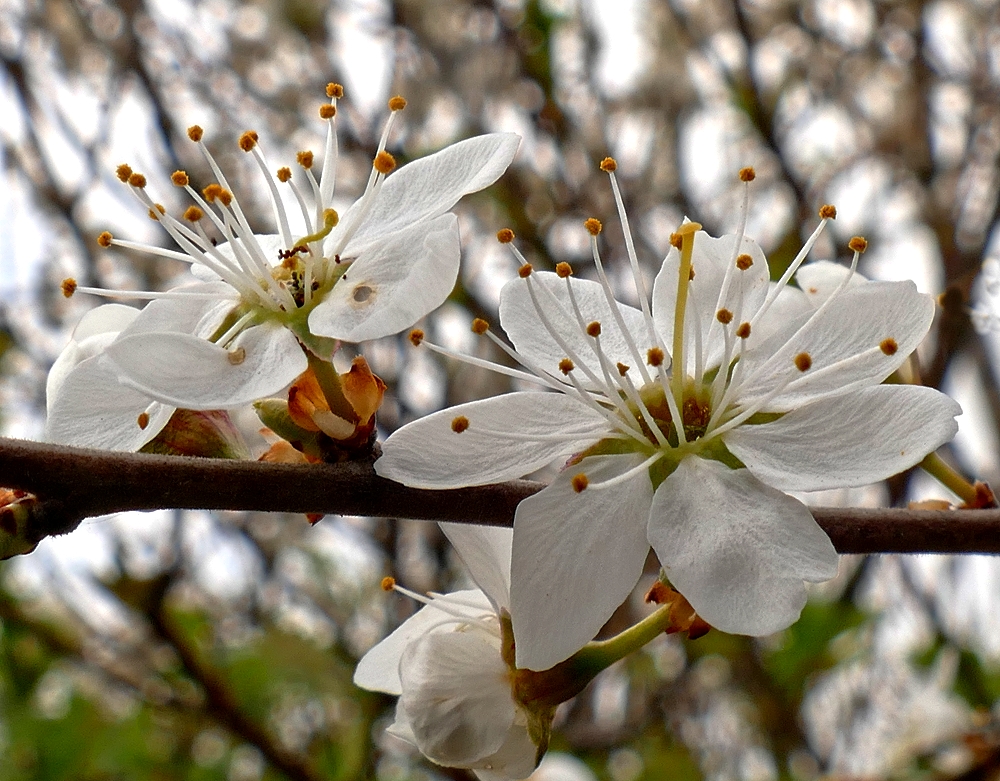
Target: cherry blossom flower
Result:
[448, 666]
[241, 327]
[774, 393]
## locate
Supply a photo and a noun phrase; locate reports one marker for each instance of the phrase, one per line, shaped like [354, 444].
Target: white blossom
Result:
[446, 664]
[778, 389]
[238, 329]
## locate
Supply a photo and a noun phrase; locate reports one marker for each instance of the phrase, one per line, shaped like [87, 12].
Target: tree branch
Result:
[73, 484]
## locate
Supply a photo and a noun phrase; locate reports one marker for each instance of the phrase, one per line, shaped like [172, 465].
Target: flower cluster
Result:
[770, 388]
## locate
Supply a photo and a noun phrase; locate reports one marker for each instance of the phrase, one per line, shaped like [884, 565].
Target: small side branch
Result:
[74, 484]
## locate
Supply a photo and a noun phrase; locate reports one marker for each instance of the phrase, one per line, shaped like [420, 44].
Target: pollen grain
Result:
[888, 346]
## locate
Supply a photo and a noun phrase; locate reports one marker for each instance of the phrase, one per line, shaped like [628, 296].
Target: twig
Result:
[74, 484]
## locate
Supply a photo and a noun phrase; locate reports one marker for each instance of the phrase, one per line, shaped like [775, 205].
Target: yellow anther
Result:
[193, 214]
[593, 226]
[284, 174]
[828, 212]
[608, 165]
[564, 269]
[180, 178]
[195, 133]
[237, 356]
[622, 368]
[676, 240]
[724, 316]
[388, 583]
[416, 337]
[123, 172]
[858, 244]
[747, 174]
[743, 262]
[505, 235]
[105, 239]
[655, 356]
[327, 111]
[248, 140]
[525, 271]
[397, 103]
[480, 326]
[566, 366]
[305, 159]
[743, 331]
[225, 197]
[68, 287]
[334, 90]
[594, 329]
[459, 424]
[143, 420]
[156, 211]
[137, 180]
[211, 192]
[803, 362]
[384, 162]
[579, 482]
[888, 346]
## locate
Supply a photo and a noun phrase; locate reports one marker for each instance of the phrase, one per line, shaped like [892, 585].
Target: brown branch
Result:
[74, 484]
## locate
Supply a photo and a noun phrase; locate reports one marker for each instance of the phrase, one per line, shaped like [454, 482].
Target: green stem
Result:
[945, 474]
[601, 654]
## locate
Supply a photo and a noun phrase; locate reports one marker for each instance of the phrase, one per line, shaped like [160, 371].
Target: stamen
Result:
[888, 346]
[629, 474]
[459, 424]
[388, 583]
[105, 239]
[237, 356]
[327, 111]
[687, 231]
[803, 362]
[69, 287]
[505, 235]
[416, 337]
[397, 103]
[334, 90]
[580, 482]
[143, 420]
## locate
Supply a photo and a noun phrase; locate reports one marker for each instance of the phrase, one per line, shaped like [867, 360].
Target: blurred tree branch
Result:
[73, 484]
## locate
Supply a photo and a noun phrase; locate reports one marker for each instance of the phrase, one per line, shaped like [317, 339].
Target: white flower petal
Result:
[392, 284]
[428, 187]
[195, 374]
[576, 558]
[378, 669]
[92, 409]
[787, 313]
[735, 548]
[508, 436]
[199, 315]
[515, 759]
[95, 331]
[849, 440]
[532, 339]
[821, 278]
[709, 260]
[856, 322]
[456, 696]
[485, 551]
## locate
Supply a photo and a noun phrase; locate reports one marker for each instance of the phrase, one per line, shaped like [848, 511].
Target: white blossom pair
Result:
[239, 328]
[778, 389]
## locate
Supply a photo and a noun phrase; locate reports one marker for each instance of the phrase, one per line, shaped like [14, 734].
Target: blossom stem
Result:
[949, 477]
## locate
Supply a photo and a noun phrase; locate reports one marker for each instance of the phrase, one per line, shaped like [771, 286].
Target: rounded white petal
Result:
[515, 759]
[429, 187]
[737, 549]
[92, 409]
[392, 284]
[198, 315]
[456, 696]
[95, 331]
[845, 334]
[378, 669]
[485, 551]
[576, 558]
[533, 339]
[821, 278]
[787, 313]
[195, 374]
[508, 436]
[849, 440]
[709, 260]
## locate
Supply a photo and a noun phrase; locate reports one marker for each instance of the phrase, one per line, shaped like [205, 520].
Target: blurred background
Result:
[187, 645]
